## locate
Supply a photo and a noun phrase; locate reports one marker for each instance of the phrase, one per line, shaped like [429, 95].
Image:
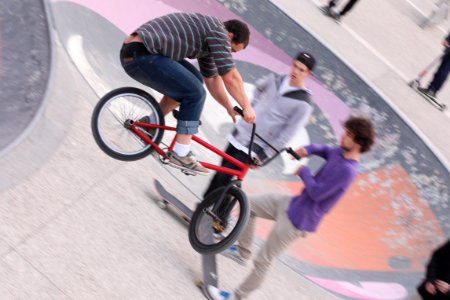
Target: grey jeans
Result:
[273, 207]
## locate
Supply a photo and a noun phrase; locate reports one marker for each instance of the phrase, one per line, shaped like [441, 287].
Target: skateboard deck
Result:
[415, 84]
[169, 200]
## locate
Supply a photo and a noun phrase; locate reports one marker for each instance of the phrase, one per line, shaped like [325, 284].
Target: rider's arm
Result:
[215, 88]
[235, 86]
[221, 61]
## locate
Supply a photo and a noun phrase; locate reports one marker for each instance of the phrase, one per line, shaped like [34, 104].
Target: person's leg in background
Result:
[348, 7]
[440, 76]
[328, 8]
[332, 3]
[272, 207]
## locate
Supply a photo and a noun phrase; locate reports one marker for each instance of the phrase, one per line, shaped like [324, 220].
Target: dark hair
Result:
[240, 31]
[362, 131]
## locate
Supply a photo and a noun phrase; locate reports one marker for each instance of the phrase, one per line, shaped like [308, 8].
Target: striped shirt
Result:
[185, 35]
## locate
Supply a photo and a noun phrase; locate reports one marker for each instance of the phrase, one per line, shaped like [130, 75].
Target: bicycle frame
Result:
[240, 174]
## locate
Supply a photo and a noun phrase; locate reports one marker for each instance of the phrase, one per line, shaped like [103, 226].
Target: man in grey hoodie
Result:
[283, 106]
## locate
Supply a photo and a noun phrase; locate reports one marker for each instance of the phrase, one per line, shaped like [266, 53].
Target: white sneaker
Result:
[217, 294]
[233, 253]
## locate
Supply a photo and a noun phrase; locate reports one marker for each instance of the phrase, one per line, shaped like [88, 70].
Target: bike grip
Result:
[238, 110]
[293, 153]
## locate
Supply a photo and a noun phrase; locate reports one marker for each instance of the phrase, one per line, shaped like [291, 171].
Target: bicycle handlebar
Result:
[278, 152]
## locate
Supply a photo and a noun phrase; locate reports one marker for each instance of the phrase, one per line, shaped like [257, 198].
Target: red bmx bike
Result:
[127, 124]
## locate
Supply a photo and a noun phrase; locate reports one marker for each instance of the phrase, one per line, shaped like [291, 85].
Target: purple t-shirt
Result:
[323, 190]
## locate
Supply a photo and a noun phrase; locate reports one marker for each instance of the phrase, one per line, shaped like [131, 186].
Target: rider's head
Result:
[359, 132]
[239, 34]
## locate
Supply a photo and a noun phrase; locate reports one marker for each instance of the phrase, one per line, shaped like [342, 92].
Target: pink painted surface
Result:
[261, 51]
[364, 290]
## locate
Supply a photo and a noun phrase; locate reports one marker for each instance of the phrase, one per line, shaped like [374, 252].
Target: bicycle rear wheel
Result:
[111, 120]
[212, 230]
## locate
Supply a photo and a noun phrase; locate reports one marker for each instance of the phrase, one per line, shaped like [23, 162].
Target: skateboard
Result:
[169, 200]
[415, 84]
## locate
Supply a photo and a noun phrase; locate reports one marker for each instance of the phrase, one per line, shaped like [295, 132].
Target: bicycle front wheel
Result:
[111, 119]
[211, 229]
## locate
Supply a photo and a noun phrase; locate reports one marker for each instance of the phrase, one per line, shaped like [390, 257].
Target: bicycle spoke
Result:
[112, 121]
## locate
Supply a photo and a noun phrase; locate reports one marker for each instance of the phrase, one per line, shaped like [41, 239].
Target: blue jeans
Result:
[179, 80]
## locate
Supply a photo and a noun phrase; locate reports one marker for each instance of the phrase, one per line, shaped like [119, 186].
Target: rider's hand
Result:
[249, 115]
[232, 113]
[445, 44]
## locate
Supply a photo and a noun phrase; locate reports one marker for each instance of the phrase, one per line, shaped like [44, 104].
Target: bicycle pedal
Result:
[188, 172]
[164, 161]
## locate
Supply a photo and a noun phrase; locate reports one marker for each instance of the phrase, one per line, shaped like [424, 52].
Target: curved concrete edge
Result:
[31, 149]
[397, 110]
[44, 102]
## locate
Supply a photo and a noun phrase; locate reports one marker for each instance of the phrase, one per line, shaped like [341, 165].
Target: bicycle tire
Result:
[109, 118]
[201, 230]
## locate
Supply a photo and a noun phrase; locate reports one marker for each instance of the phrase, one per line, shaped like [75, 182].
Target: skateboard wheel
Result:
[162, 204]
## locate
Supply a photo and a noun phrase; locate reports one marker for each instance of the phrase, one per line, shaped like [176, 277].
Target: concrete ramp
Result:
[24, 67]
[95, 216]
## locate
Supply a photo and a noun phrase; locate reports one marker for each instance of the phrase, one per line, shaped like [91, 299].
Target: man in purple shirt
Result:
[299, 215]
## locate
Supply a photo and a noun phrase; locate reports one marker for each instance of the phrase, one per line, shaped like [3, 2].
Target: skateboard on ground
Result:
[415, 84]
[169, 200]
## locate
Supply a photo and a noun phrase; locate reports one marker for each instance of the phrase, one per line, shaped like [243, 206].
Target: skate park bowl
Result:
[376, 242]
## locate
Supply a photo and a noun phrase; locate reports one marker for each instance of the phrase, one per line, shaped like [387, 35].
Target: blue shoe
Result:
[217, 294]
[233, 253]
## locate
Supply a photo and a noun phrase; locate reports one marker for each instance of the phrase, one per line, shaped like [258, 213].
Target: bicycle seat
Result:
[176, 113]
